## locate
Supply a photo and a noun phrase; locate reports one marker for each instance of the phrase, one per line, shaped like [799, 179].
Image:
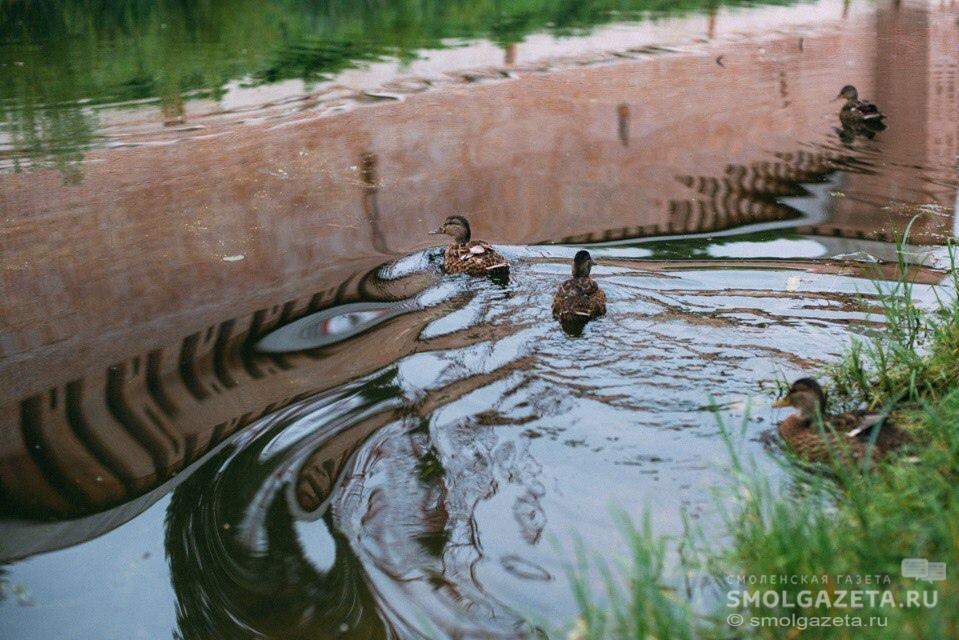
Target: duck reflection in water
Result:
[473, 257]
[579, 299]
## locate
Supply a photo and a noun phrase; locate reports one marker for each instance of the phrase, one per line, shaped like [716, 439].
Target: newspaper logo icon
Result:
[922, 569]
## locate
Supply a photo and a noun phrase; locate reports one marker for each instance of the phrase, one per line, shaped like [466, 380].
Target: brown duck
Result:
[859, 115]
[846, 434]
[579, 299]
[473, 257]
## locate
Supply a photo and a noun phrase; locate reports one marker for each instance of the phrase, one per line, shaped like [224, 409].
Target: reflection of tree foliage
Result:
[699, 248]
[59, 52]
[51, 137]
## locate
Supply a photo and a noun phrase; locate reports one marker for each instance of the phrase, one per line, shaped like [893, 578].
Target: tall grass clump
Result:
[913, 356]
[636, 601]
[842, 531]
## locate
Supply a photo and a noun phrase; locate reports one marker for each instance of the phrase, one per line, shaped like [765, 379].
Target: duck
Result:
[858, 114]
[473, 257]
[846, 434]
[579, 299]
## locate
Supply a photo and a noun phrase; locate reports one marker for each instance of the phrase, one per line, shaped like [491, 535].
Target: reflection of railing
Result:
[103, 440]
[744, 195]
[752, 194]
[749, 194]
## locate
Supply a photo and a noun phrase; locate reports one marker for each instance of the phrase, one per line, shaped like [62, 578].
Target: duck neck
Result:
[810, 413]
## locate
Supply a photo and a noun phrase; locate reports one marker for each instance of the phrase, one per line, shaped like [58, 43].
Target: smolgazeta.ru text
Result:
[853, 599]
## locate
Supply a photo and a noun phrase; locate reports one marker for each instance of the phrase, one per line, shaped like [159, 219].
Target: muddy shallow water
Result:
[239, 399]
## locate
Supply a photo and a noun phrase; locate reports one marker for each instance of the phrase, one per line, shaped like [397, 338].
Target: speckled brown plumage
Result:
[475, 258]
[845, 436]
[857, 114]
[579, 298]
[808, 443]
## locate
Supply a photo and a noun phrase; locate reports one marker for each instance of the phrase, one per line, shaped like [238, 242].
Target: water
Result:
[239, 397]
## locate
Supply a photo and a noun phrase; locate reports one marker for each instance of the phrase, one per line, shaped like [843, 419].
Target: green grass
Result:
[639, 602]
[852, 522]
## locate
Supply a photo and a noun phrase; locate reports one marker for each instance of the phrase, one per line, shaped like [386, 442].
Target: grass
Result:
[844, 531]
[639, 606]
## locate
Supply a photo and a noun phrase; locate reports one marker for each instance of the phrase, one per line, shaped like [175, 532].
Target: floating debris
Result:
[379, 96]
[857, 256]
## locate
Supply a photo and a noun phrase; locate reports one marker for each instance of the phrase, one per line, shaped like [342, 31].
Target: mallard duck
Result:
[859, 114]
[846, 435]
[474, 257]
[579, 299]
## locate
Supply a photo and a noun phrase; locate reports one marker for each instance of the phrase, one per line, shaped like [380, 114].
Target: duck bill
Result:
[781, 403]
[436, 232]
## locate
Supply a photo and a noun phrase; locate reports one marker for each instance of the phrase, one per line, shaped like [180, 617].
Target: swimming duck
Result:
[474, 257]
[846, 434]
[579, 299]
[859, 114]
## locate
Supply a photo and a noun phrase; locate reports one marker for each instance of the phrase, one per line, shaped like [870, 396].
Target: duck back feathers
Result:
[579, 298]
[857, 114]
[475, 258]
[846, 436]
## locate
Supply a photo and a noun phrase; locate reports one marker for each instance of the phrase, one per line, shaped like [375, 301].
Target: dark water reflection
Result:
[239, 394]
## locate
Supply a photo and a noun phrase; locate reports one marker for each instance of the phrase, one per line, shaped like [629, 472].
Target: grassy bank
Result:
[845, 530]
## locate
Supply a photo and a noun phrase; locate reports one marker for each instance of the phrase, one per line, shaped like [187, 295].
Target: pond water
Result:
[238, 398]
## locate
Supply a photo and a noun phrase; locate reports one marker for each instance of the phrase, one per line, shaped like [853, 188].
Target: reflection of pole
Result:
[845, 9]
[172, 110]
[371, 207]
[509, 54]
[622, 116]
[711, 28]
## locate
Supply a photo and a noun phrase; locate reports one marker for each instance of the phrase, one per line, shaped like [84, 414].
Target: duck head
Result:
[848, 92]
[582, 263]
[456, 227]
[806, 396]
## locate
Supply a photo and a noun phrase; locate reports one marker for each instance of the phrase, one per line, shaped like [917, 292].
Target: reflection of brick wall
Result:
[943, 86]
[535, 159]
[915, 85]
[114, 434]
